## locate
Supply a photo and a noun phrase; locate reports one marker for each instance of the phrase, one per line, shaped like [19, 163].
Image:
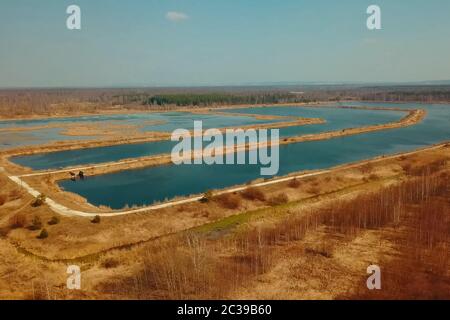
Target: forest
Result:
[66, 101]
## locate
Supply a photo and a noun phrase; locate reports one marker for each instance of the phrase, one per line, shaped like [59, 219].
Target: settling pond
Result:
[148, 185]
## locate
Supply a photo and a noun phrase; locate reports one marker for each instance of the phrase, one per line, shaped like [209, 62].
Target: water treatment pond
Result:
[40, 131]
[336, 119]
[148, 185]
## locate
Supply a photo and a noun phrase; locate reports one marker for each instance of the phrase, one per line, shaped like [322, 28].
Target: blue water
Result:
[336, 119]
[169, 122]
[148, 185]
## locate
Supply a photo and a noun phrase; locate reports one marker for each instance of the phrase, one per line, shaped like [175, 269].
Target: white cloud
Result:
[176, 16]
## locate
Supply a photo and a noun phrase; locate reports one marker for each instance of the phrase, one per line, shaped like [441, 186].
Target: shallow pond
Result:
[148, 185]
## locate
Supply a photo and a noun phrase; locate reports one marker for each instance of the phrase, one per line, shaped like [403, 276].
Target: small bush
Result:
[109, 263]
[36, 223]
[229, 201]
[43, 234]
[373, 176]
[294, 183]
[18, 221]
[54, 220]
[39, 201]
[252, 194]
[278, 199]
[207, 196]
[96, 219]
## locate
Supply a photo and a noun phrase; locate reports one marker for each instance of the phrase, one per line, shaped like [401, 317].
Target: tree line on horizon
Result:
[224, 99]
[48, 102]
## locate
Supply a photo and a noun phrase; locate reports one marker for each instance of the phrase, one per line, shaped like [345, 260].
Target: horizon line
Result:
[233, 85]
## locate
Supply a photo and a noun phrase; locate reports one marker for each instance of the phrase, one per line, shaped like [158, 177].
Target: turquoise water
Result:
[336, 119]
[169, 122]
[148, 185]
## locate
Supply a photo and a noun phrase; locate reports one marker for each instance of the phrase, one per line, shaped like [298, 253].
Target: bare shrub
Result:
[253, 194]
[36, 223]
[207, 196]
[43, 234]
[294, 183]
[39, 201]
[110, 263]
[54, 220]
[229, 201]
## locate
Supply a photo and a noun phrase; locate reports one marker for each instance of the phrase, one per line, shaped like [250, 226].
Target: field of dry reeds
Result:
[198, 266]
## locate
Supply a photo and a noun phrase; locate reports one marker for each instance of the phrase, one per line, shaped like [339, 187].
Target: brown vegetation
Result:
[18, 220]
[43, 234]
[36, 223]
[3, 199]
[96, 219]
[191, 267]
[278, 199]
[252, 193]
[110, 263]
[294, 183]
[229, 200]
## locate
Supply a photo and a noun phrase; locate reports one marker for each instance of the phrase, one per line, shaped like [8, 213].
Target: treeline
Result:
[409, 95]
[210, 99]
[26, 102]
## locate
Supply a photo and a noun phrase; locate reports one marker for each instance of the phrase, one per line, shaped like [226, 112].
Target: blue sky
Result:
[133, 43]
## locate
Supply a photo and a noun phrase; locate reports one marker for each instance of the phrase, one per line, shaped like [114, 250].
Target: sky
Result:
[221, 42]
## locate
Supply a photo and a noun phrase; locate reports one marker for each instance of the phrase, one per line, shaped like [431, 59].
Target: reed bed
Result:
[198, 268]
